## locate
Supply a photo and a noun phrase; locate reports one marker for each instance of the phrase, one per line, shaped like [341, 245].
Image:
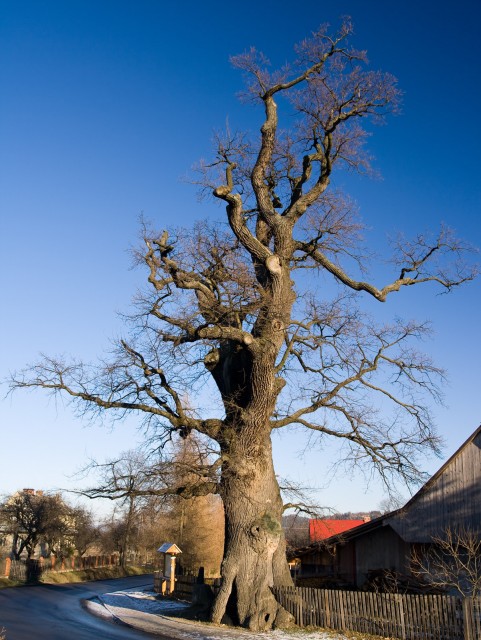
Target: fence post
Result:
[399, 600]
[468, 618]
[8, 566]
[328, 611]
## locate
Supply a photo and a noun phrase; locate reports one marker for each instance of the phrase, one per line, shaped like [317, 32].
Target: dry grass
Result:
[86, 575]
[5, 582]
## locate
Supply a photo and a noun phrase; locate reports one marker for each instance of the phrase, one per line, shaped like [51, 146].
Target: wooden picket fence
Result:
[21, 569]
[184, 586]
[407, 617]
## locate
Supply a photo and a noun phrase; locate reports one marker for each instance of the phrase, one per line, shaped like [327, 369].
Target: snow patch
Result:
[97, 609]
[137, 603]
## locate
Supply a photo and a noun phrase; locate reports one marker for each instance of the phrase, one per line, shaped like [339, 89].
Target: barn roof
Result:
[432, 480]
[388, 518]
[326, 528]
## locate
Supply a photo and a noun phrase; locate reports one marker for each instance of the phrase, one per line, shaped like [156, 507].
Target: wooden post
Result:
[468, 618]
[328, 611]
[8, 566]
[400, 609]
[341, 610]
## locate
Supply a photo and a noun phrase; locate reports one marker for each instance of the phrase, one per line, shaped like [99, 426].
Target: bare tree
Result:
[84, 530]
[172, 493]
[34, 518]
[234, 305]
[127, 480]
[451, 561]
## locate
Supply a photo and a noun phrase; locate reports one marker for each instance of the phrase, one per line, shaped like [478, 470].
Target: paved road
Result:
[54, 612]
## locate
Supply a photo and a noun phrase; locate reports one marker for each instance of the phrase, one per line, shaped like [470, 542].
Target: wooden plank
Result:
[390, 615]
[352, 611]
[384, 614]
[424, 602]
[312, 607]
[476, 616]
[327, 609]
[411, 630]
[299, 615]
[340, 604]
[401, 631]
[467, 619]
[365, 612]
[318, 609]
[372, 626]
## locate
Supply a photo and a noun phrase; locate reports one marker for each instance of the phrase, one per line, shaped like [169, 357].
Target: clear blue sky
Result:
[104, 106]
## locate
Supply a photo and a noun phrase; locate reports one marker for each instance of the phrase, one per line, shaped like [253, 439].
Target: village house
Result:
[450, 499]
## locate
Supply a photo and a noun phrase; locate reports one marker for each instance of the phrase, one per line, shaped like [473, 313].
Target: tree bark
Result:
[254, 555]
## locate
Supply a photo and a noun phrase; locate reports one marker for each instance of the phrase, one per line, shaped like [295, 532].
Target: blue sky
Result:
[105, 106]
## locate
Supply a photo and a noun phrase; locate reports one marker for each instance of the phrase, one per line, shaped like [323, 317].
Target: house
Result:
[450, 499]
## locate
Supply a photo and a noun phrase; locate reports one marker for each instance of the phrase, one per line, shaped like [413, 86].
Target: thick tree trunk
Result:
[254, 556]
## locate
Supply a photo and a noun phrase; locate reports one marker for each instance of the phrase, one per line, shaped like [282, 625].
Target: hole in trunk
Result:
[268, 615]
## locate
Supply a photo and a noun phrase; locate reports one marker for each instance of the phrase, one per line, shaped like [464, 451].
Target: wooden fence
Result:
[24, 570]
[184, 586]
[407, 617]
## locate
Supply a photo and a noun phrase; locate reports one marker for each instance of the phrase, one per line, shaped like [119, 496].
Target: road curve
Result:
[55, 612]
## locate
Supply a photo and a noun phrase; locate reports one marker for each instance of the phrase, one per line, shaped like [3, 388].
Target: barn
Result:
[450, 499]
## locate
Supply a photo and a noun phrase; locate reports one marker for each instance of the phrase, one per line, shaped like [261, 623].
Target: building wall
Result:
[451, 499]
[380, 549]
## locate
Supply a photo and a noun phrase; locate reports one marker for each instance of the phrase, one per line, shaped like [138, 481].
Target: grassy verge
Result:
[5, 582]
[85, 575]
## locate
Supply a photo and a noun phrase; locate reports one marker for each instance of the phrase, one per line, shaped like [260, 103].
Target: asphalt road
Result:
[55, 612]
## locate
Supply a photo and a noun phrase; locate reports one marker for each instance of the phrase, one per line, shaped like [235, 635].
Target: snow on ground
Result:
[148, 603]
[143, 601]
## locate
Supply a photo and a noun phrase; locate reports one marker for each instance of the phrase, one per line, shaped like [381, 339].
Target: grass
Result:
[5, 582]
[85, 575]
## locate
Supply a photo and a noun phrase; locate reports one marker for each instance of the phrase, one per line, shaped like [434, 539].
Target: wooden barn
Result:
[451, 499]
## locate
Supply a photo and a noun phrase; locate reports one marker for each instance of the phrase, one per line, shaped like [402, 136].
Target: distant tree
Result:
[160, 499]
[391, 503]
[33, 518]
[126, 480]
[197, 522]
[451, 562]
[234, 305]
[296, 530]
[84, 530]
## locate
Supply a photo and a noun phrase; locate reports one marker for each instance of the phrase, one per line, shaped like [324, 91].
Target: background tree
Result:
[195, 523]
[451, 562]
[234, 305]
[160, 499]
[34, 518]
[126, 480]
[84, 530]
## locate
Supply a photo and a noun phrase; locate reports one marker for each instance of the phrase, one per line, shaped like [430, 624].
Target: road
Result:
[54, 612]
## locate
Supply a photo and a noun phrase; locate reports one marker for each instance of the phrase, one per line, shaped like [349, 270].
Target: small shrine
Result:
[164, 578]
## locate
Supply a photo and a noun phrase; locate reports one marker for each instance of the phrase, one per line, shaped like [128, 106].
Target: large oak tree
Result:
[249, 306]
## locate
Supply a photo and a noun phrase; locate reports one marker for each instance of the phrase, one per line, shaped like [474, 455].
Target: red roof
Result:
[322, 529]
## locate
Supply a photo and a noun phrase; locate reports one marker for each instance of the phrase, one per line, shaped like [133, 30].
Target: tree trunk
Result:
[254, 555]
